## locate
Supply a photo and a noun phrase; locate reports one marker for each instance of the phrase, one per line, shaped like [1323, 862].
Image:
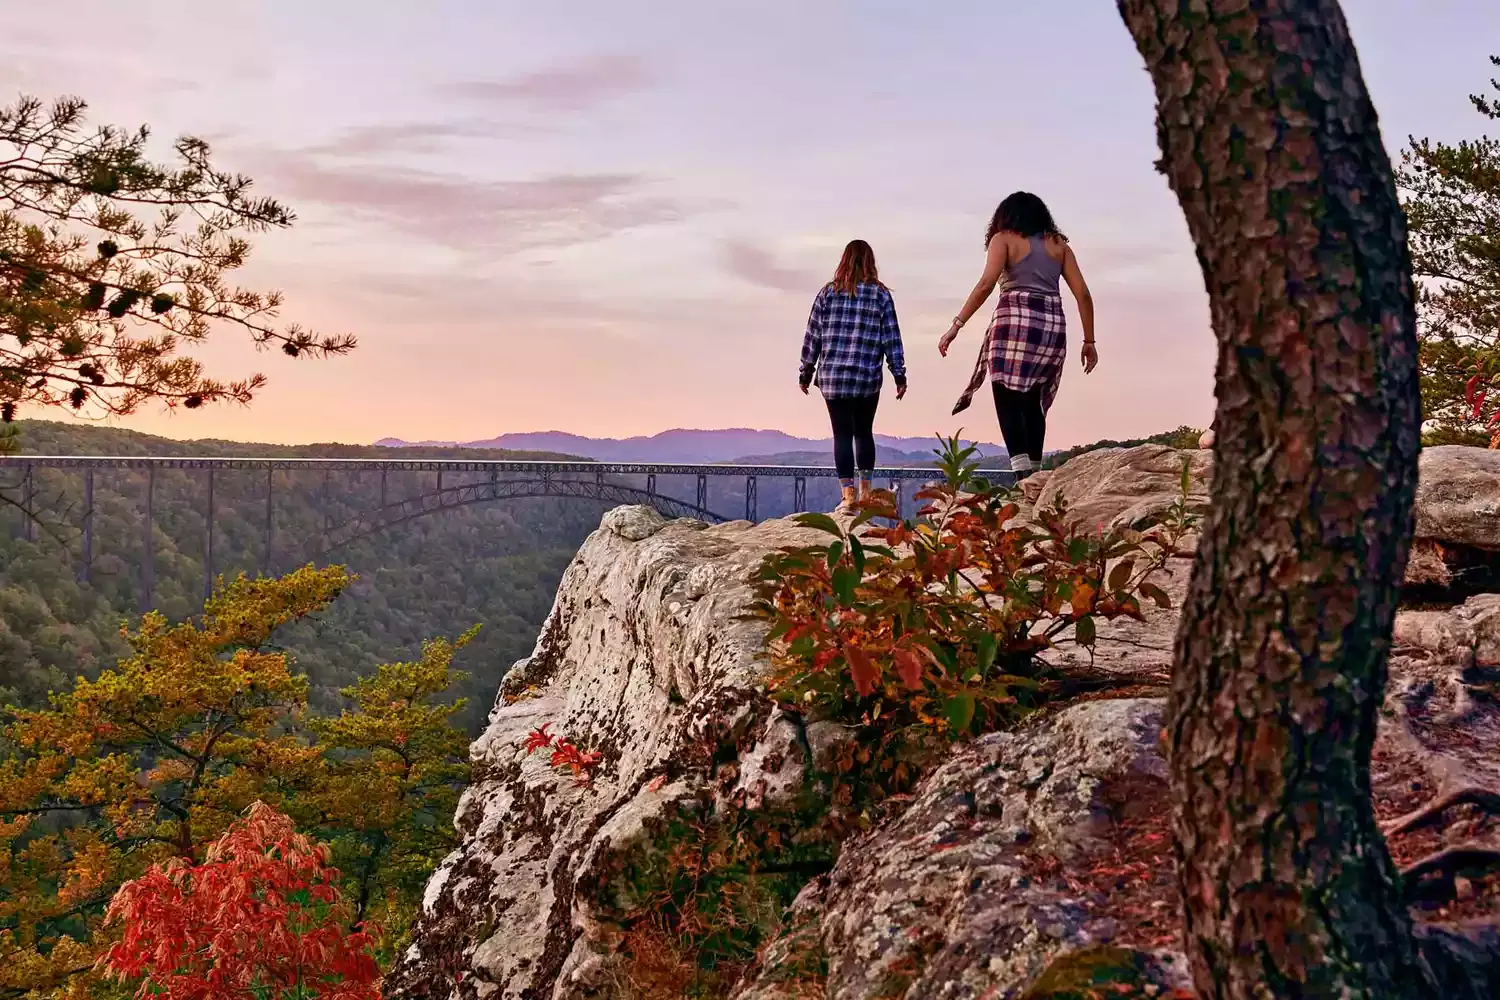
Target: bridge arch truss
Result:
[486, 491]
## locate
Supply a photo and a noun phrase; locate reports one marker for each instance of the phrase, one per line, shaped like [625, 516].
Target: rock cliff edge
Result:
[1028, 859]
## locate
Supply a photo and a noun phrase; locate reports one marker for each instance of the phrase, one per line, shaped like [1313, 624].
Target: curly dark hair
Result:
[1024, 214]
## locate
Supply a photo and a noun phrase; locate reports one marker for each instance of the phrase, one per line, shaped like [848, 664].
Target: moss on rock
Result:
[1096, 973]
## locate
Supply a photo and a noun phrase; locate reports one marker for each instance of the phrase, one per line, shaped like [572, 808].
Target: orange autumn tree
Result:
[388, 786]
[156, 758]
[262, 918]
[151, 761]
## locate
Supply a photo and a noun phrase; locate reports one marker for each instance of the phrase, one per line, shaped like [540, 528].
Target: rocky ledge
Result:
[1024, 865]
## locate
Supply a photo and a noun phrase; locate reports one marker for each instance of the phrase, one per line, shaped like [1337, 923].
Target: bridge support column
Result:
[208, 538]
[383, 488]
[896, 492]
[148, 570]
[651, 485]
[750, 502]
[702, 492]
[28, 503]
[88, 525]
[799, 494]
[266, 556]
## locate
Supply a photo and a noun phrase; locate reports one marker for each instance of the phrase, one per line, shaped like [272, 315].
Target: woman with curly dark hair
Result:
[1026, 344]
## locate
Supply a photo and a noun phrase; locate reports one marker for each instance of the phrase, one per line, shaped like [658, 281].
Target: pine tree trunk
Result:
[1271, 144]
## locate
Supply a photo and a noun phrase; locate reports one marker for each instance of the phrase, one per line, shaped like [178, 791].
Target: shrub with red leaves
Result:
[565, 755]
[1478, 390]
[260, 919]
[941, 625]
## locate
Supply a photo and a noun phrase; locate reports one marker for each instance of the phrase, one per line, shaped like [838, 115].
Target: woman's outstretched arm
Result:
[895, 354]
[1080, 289]
[994, 266]
[812, 343]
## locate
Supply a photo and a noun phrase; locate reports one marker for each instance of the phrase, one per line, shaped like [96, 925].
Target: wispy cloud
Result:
[758, 266]
[470, 214]
[415, 137]
[574, 87]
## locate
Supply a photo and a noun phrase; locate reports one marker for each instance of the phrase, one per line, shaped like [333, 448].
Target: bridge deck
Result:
[457, 465]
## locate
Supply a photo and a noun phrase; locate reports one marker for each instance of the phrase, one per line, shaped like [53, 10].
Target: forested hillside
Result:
[1182, 437]
[496, 564]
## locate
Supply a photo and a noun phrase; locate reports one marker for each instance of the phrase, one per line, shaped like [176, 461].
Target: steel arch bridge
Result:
[478, 481]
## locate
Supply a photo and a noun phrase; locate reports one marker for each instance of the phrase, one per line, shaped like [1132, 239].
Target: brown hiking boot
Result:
[850, 499]
[865, 490]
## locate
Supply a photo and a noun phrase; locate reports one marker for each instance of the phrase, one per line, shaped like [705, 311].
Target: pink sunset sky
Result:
[610, 218]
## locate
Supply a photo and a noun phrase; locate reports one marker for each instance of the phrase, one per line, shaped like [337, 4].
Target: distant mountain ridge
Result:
[687, 446]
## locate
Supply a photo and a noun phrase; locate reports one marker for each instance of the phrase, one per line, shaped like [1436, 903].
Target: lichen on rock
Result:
[940, 901]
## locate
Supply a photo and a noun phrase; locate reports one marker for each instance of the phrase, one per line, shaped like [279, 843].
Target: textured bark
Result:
[1271, 144]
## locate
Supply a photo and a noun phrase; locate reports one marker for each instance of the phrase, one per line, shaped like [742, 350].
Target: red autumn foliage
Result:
[565, 755]
[1476, 392]
[538, 738]
[260, 919]
[943, 625]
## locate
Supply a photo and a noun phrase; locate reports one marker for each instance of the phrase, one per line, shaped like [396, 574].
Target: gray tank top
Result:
[1036, 272]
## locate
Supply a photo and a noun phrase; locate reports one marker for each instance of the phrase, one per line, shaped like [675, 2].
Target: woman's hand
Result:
[901, 391]
[1090, 356]
[803, 387]
[948, 339]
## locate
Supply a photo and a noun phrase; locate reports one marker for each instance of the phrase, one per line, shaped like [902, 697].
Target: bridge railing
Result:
[904, 473]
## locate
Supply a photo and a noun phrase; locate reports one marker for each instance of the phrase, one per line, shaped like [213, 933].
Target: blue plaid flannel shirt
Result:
[848, 336]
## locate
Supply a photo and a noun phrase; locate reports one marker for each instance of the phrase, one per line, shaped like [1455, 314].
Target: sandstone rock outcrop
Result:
[951, 898]
[1458, 496]
[1026, 856]
[1456, 548]
[1127, 487]
[642, 660]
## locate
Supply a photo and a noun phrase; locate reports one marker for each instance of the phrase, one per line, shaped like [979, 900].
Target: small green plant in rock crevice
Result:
[700, 897]
[1103, 972]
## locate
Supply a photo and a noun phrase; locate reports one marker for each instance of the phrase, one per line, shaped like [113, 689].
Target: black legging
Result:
[853, 419]
[1023, 423]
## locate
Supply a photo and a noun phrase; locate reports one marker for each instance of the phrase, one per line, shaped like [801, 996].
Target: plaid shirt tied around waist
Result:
[1025, 346]
[848, 337]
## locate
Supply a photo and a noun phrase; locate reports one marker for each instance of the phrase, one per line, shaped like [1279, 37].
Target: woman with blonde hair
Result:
[1026, 344]
[851, 331]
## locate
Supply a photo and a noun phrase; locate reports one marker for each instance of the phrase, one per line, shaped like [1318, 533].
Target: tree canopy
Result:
[1452, 203]
[110, 263]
